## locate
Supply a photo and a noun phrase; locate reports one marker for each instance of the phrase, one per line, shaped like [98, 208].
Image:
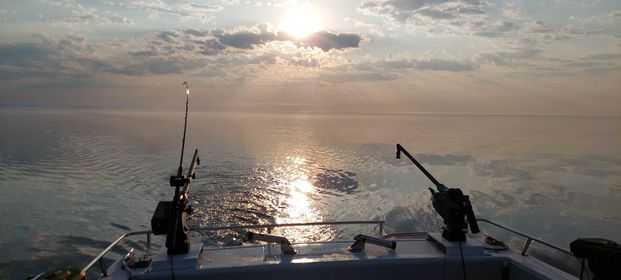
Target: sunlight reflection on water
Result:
[297, 204]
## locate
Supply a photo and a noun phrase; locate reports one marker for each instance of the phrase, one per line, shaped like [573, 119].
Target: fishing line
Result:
[437, 224]
[444, 259]
[582, 269]
[463, 264]
[172, 273]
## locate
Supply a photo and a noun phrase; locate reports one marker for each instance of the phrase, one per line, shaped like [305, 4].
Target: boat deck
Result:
[414, 255]
[413, 258]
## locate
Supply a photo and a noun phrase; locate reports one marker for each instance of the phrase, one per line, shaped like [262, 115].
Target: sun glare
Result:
[301, 23]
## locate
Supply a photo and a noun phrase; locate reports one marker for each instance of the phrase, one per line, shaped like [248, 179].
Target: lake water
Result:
[73, 181]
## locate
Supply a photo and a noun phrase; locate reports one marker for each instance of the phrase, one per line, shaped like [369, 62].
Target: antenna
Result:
[185, 125]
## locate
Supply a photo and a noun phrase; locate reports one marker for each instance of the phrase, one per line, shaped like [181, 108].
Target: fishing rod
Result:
[439, 186]
[170, 217]
[185, 125]
[450, 203]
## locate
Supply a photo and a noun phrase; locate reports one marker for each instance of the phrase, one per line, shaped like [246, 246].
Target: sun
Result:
[301, 23]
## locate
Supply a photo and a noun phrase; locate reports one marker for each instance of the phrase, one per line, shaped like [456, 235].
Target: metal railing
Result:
[99, 258]
[529, 239]
[404, 234]
[270, 227]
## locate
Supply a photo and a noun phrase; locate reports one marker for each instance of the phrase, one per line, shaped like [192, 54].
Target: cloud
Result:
[387, 70]
[87, 15]
[248, 38]
[76, 43]
[496, 29]
[67, 58]
[25, 60]
[444, 65]
[506, 58]
[327, 41]
[117, 19]
[259, 35]
[183, 9]
[605, 56]
[255, 45]
[593, 64]
[538, 26]
[355, 76]
[512, 13]
[420, 11]
[70, 58]
[433, 64]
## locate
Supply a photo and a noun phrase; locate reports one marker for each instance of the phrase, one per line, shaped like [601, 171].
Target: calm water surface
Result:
[73, 181]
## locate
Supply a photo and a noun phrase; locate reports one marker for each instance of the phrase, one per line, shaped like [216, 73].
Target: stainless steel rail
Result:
[269, 227]
[529, 239]
[99, 258]
[404, 234]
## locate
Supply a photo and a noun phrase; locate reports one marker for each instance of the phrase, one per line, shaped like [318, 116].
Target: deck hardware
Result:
[492, 243]
[285, 245]
[526, 245]
[361, 239]
[104, 272]
[149, 243]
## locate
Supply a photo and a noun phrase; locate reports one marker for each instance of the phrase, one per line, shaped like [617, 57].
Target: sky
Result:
[559, 57]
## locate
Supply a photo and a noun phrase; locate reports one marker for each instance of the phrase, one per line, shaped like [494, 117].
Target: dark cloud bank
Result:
[260, 35]
[163, 52]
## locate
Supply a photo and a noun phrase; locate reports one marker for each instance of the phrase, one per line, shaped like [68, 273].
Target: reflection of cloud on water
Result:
[500, 169]
[537, 200]
[403, 219]
[590, 165]
[443, 159]
[499, 199]
[336, 181]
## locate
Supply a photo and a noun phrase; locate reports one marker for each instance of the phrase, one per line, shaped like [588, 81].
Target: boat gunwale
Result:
[270, 227]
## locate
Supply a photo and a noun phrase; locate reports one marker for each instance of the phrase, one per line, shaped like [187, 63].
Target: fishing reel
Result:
[453, 206]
